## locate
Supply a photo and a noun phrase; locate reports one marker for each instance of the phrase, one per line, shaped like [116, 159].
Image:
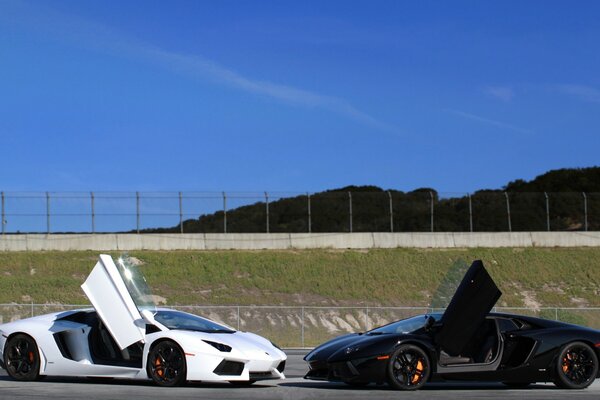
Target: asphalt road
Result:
[291, 389]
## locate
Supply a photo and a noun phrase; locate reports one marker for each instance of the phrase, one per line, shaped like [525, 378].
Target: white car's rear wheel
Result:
[22, 358]
[166, 364]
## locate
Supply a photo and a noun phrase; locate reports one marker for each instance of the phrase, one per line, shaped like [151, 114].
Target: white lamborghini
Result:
[126, 336]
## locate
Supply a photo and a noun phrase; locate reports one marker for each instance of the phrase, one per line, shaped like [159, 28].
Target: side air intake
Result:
[229, 368]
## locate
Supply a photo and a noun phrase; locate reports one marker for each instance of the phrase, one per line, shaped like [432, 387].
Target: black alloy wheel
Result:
[408, 368]
[576, 366]
[166, 364]
[22, 358]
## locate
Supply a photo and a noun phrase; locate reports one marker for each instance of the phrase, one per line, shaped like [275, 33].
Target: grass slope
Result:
[399, 277]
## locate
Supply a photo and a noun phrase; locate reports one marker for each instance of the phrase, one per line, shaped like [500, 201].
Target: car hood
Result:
[338, 345]
[247, 344]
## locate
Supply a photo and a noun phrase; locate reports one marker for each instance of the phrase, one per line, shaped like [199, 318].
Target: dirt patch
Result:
[530, 300]
[135, 261]
[552, 288]
[579, 302]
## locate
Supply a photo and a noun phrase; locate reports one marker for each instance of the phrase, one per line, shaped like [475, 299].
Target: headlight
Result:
[219, 346]
[352, 349]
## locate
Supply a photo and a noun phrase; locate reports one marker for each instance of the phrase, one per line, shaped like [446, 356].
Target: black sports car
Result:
[466, 342]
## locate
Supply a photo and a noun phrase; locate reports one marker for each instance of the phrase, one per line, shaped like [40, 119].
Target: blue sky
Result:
[295, 95]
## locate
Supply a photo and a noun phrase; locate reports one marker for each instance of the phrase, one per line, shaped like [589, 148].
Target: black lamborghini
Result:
[466, 342]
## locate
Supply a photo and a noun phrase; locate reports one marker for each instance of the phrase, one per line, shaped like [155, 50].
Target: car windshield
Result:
[184, 321]
[136, 283]
[408, 325]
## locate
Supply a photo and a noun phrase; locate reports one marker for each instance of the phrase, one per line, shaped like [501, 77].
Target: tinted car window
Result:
[506, 325]
[406, 325]
[184, 321]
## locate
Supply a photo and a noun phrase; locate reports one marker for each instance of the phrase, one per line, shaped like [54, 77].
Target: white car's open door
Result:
[106, 289]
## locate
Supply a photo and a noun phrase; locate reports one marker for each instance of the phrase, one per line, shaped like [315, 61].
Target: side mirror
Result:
[429, 323]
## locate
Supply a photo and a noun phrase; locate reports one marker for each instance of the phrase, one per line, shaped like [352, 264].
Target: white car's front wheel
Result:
[166, 364]
[22, 358]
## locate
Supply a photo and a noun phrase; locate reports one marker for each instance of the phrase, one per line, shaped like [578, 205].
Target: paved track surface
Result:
[292, 388]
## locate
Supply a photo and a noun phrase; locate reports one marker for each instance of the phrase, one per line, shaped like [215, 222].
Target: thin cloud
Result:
[586, 93]
[503, 93]
[488, 121]
[203, 68]
[101, 37]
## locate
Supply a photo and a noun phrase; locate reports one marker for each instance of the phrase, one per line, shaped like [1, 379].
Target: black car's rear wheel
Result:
[576, 366]
[408, 368]
[166, 364]
[22, 358]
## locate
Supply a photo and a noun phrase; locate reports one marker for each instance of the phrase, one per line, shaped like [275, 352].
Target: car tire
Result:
[576, 366]
[408, 368]
[166, 364]
[22, 358]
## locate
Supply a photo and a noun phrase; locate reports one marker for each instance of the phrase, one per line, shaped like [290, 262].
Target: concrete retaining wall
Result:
[258, 241]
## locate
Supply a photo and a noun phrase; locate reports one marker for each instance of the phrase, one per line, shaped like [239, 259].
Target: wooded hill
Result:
[571, 193]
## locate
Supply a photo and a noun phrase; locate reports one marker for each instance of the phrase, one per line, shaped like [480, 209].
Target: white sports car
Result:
[126, 336]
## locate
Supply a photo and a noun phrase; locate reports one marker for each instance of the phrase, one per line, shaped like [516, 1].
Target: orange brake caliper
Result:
[158, 365]
[565, 364]
[30, 356]
[419, 373]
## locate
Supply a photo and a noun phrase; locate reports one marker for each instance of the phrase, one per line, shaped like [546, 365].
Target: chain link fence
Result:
[334, 211]
[298, 326]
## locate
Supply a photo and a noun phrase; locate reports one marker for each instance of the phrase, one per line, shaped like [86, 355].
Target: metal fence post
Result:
[367, 324]
[350, 209]
[180, 212]
[391, 212]
[309, 216]
[431, 200]
[3, 215]
[267, 209]
[302, 327]
[224, 213]
[48, 213]
[93, 212]
[547, 212]
[508, 211]
[584, 211]
[556, 314]
[238, 318]
[470, 213]
[137, 211]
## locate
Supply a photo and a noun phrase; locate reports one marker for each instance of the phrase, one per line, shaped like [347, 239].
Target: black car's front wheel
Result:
[408, 368]
[22, 358]
[166, 364]
[576, 366]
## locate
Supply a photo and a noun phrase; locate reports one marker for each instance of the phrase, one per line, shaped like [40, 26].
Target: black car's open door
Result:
[472, 301]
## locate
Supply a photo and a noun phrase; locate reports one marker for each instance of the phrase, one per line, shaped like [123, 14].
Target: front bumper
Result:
[369, 369]
[212, 368]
